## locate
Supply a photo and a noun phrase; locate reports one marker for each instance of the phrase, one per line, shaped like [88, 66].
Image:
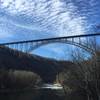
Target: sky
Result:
[35, 19]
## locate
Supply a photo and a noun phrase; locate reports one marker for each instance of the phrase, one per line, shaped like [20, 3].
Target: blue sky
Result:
[35, 19]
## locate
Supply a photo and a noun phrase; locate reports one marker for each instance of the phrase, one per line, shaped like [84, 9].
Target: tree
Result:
[85, 74]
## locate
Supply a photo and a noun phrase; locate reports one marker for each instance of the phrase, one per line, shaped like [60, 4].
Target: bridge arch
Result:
[80, 45]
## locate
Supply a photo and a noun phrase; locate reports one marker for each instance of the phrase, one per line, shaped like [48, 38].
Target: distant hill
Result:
[17, 60]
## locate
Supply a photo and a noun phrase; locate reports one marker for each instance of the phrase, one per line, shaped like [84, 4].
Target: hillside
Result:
[15, 60]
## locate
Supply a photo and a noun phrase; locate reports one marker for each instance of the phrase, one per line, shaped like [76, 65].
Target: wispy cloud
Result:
[5, 29]
[54, 16]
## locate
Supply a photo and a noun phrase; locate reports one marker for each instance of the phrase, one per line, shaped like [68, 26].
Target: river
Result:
[45, 92]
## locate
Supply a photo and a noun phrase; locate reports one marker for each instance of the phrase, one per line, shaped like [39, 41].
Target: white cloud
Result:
[53, 15]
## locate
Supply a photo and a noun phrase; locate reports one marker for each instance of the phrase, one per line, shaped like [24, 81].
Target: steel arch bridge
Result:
[82, 41]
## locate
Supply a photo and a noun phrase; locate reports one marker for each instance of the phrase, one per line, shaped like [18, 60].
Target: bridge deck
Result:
[47, 39]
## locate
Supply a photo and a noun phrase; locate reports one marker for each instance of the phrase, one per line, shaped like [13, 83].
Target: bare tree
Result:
[85, 74]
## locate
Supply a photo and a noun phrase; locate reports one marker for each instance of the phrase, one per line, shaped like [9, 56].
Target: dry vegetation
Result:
[10, 79]
[83, 77]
